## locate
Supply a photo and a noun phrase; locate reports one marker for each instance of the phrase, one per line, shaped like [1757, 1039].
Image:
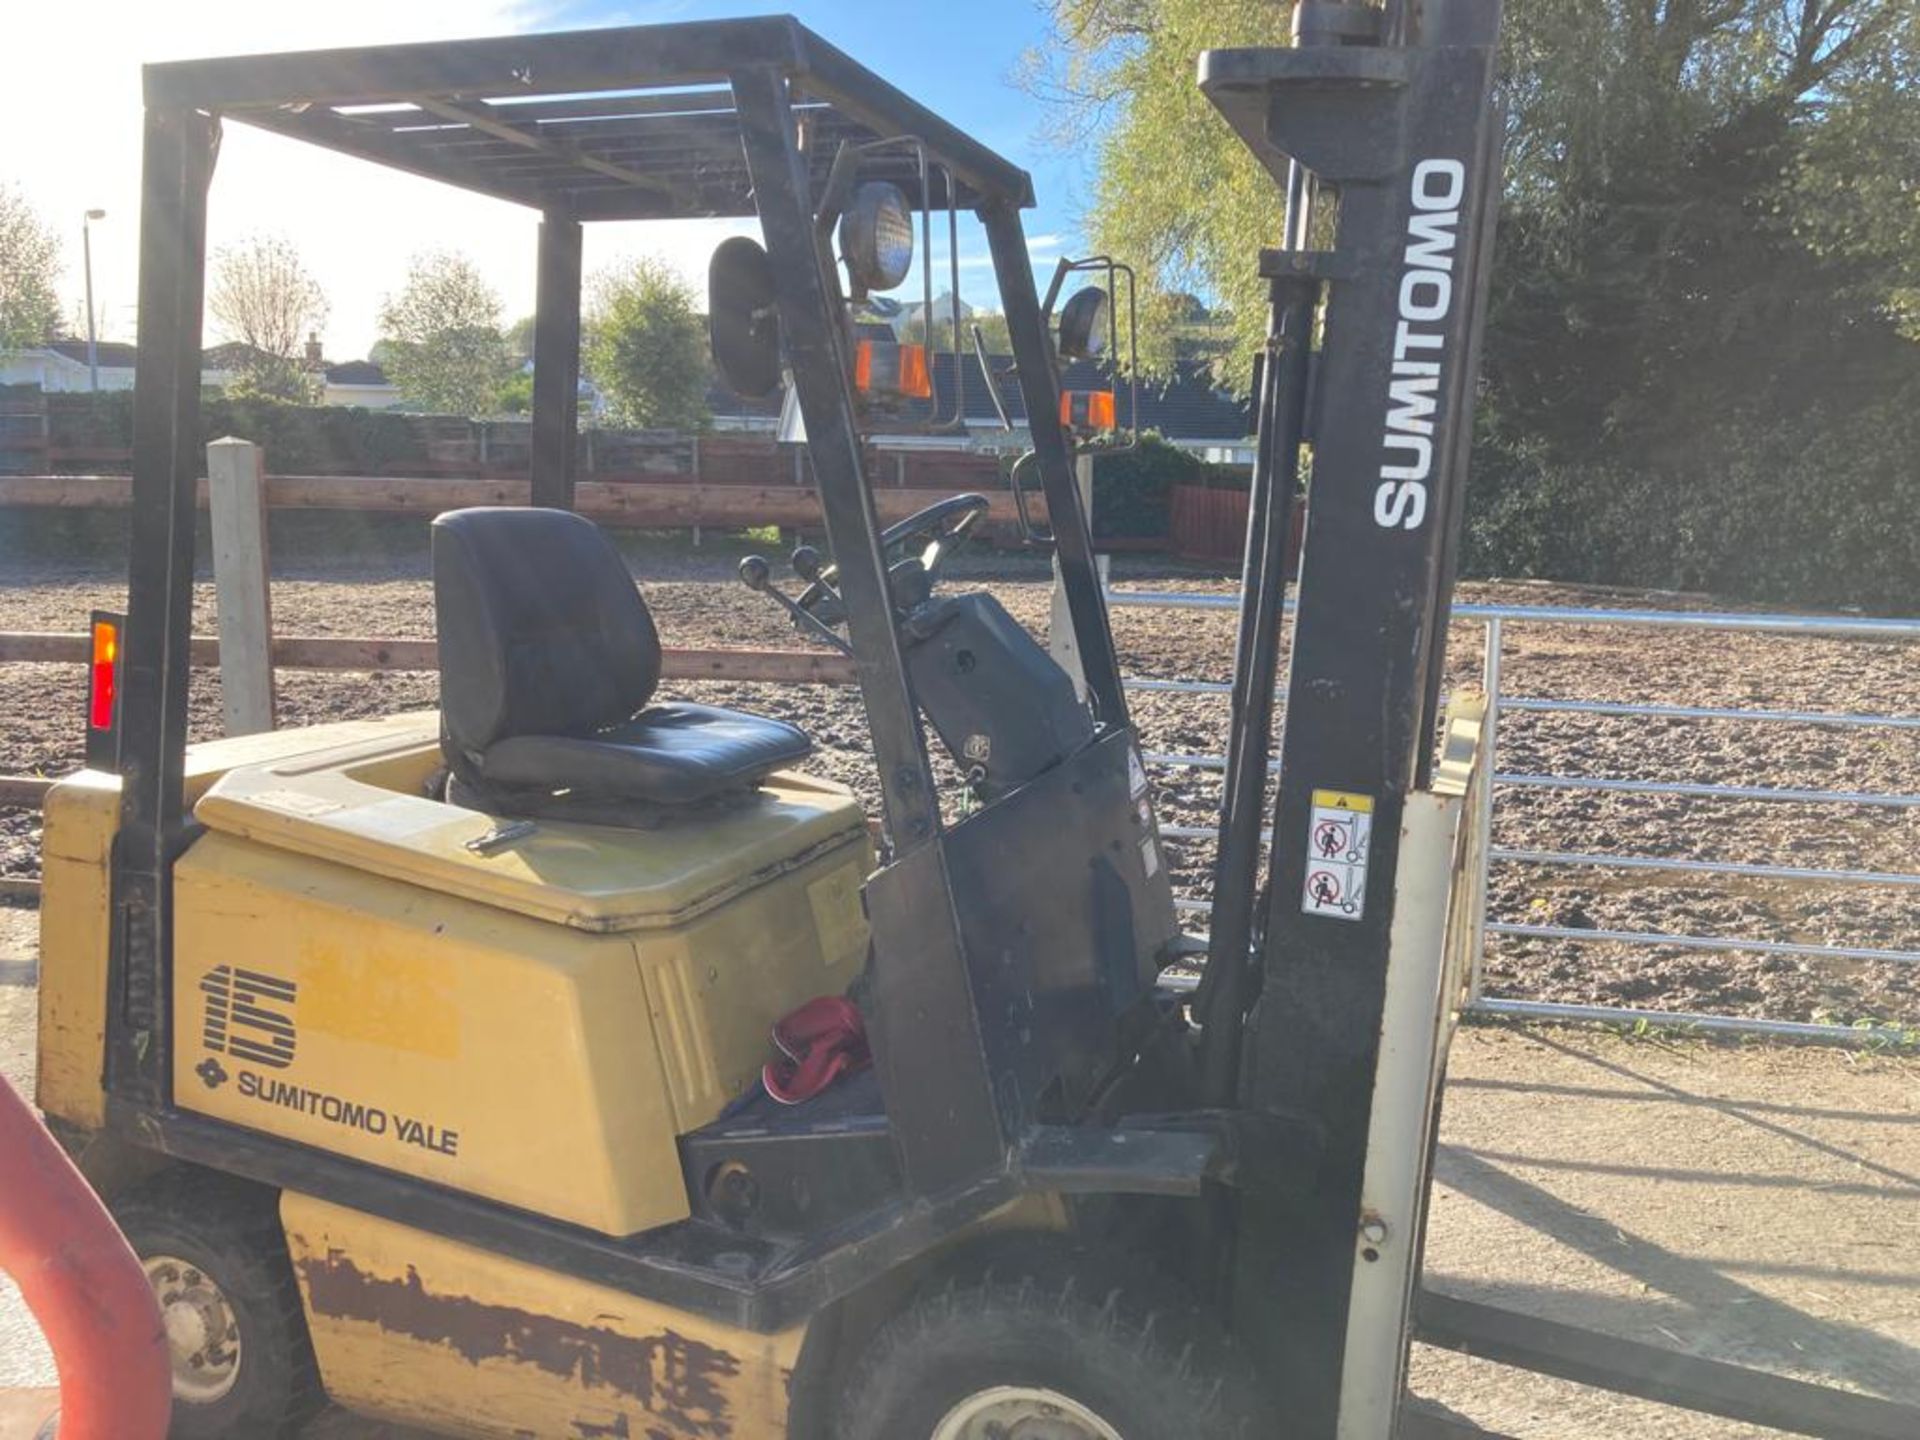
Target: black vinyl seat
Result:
[548, 657]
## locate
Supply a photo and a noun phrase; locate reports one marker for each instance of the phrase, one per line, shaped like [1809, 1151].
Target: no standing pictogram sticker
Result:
[1339, 837]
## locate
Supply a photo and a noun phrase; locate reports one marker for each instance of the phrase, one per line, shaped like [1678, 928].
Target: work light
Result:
[876, 236]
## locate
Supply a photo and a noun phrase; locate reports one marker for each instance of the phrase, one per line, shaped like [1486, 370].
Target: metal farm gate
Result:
[1495, 620]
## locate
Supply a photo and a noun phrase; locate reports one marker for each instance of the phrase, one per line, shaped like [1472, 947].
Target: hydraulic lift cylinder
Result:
[1226, 990]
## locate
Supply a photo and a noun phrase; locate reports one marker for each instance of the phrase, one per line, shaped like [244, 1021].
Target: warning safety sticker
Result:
[1338, 839]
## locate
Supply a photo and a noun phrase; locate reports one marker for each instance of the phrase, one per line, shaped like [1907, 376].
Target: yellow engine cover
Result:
[534, 1021]
[80, 816]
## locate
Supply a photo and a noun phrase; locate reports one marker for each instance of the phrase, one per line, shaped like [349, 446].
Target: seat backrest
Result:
[541, 629]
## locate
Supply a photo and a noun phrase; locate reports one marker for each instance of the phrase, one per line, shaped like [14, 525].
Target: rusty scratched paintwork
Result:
[680, 1383]
[617, 1429]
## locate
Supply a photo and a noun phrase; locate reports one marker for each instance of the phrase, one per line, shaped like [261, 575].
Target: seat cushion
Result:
[667, 755]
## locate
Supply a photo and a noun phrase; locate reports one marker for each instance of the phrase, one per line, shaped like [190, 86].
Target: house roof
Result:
[234, 355]
[356, 372]
[1184, 406]
[117, 355]
[112, 354]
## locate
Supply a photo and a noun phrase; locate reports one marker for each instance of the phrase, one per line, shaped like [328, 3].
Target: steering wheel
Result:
[942, 528]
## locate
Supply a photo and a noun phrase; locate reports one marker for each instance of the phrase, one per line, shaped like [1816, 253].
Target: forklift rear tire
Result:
[215, 1254]
[1050, 1351]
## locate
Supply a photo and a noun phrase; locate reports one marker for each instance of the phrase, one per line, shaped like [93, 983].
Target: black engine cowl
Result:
[1003, 708]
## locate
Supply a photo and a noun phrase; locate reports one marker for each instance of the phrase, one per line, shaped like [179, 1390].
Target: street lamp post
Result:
[86, 249]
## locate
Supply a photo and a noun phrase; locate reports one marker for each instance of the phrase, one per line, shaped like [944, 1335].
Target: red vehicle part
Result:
[84, 1286]
[818, 1043]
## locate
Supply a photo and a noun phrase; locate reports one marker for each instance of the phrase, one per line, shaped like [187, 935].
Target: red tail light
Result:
[104, 679]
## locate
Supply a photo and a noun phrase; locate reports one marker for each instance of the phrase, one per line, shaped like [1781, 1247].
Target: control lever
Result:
[819, 598]
[986, 374]
[756, 574]
[1033, 539]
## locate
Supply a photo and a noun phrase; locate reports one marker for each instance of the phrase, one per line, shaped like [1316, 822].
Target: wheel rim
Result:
[203, 1333]
[1022, 1412]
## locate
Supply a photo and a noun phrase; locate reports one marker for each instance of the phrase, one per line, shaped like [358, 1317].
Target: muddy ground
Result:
[1753, 1204]
[697, 602]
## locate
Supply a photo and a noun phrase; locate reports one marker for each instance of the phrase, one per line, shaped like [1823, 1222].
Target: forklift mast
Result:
[1380, 126]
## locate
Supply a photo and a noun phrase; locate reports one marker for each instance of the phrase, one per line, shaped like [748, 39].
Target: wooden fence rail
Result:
[344, 652]
[619, 505]
[360, 652]
[50, 434]
[23, 791]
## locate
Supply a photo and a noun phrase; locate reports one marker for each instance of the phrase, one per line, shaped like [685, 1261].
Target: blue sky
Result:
[357, 225]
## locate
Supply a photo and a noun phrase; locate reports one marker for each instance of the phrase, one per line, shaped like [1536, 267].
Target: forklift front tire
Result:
[213, 1250]
[1068, 1353]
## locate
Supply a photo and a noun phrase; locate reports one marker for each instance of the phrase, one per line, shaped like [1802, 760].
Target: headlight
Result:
[876, 236]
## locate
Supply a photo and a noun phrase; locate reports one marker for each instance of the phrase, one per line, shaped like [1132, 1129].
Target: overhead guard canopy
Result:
[631, 123]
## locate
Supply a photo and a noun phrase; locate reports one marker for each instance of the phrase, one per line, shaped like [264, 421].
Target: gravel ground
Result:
[697, 602]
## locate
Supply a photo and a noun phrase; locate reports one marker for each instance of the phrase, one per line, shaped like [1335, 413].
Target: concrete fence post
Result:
[237, 501]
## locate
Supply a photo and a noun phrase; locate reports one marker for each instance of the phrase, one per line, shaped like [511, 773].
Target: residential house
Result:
[360, 383]
[60, 366]
[909, 323]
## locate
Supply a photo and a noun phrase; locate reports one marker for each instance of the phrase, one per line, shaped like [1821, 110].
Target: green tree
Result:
[441, 341]
[1782, 126]
[520, 339]
[1706, 292]
[646, 347]
[29, 274]
[992, 325]
[1709, 209]
[262, 296]
[1175, 194]
[1700, 348]
[516, 396]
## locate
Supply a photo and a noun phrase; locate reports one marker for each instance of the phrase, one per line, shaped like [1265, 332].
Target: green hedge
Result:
[1133, 490]
[1810, 509]
[303, 439]
[298, 439]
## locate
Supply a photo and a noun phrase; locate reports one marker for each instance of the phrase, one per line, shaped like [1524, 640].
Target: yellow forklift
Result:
[424, 1060]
